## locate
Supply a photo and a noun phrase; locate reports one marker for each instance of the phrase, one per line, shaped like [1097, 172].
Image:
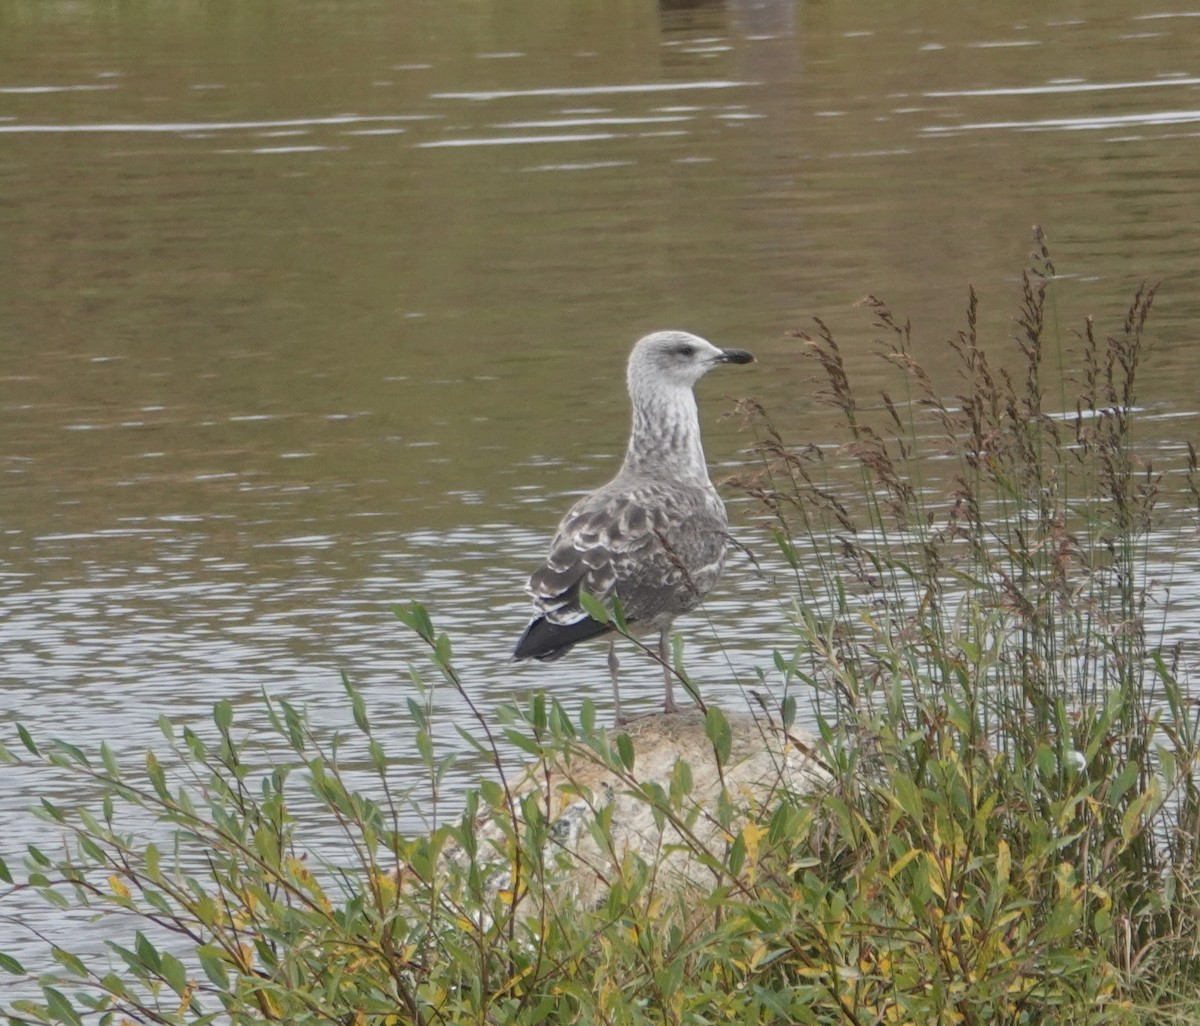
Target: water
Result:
[313, 310]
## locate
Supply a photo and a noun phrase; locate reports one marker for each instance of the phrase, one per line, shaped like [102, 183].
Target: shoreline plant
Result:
[980, 587]
[981, 646]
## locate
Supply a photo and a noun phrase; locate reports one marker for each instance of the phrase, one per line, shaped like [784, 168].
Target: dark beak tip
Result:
[737, 356]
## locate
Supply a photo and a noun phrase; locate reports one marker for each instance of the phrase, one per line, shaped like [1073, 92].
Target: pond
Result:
[311, 309]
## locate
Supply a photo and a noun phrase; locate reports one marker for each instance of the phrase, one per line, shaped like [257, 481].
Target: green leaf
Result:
[625, 751]
[75, 753]
[908, 797]
[681, 781]
[5, 875]
[442, 650]
[92, 850]
[526, 744]
[51, 897]
[716, 729]
[560, 720]
[1125, 780]
[417, 712]
[416, 618]
[788, 710]
[70, 962]
[153, 858]
[357, 706]
[223, 715]
[157, 777]
[737, 855]
[213, 964]
[115, 985]
[725, 808]
[618, 614]
[147, 954]
[59, 1007]
[205, 909]
[444, 765]
[26, 739]
[593, 607]
[11, 965]
[53, 811]
[294, 724]
[492, 793]
[1134, 820]
[174, 972]
[156, 899]
[587, 716]
[425, 747]
[786, 548]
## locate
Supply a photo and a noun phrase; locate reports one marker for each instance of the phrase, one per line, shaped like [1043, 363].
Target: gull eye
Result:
[686, 350]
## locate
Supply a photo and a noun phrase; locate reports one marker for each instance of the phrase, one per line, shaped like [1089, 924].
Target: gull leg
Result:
[613, 666]
[665, 657]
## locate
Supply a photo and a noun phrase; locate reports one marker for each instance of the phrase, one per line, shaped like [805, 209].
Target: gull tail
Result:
[545, 640]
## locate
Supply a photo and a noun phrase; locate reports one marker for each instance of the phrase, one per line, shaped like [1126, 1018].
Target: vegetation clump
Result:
[1008, 835]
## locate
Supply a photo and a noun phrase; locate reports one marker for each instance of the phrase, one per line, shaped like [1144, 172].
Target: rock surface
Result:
[666, 808]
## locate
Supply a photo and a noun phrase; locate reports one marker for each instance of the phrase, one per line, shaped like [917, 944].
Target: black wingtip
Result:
[545, 640]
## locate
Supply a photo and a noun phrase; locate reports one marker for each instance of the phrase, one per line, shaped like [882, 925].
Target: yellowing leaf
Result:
[185, 999]
[933, 872]
[902, 861]
[752, 833]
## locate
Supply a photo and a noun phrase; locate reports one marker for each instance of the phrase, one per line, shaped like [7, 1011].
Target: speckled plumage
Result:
[655, 536]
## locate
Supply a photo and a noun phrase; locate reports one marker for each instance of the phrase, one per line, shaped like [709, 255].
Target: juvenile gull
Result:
[655, 536]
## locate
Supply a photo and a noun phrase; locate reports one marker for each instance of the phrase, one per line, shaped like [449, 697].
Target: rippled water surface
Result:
[312, 309]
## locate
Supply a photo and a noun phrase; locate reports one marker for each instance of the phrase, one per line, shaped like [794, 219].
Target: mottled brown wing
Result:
[658, 549]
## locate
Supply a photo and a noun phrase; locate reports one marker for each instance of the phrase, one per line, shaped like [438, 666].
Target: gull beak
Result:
[735, 356]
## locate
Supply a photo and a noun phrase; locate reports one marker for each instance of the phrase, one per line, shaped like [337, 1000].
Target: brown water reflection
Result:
[313, 308]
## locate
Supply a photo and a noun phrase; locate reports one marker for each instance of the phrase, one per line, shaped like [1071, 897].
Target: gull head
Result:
[676, 359]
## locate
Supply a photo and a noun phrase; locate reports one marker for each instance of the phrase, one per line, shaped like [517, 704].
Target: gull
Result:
[654, 538]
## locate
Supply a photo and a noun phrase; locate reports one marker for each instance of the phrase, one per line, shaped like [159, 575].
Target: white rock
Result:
[763, 765]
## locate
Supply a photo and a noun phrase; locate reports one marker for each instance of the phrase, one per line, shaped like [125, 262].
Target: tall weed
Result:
[981, 601]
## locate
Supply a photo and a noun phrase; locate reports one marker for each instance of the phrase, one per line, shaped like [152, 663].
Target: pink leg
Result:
[613, 666]
[664, 653]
